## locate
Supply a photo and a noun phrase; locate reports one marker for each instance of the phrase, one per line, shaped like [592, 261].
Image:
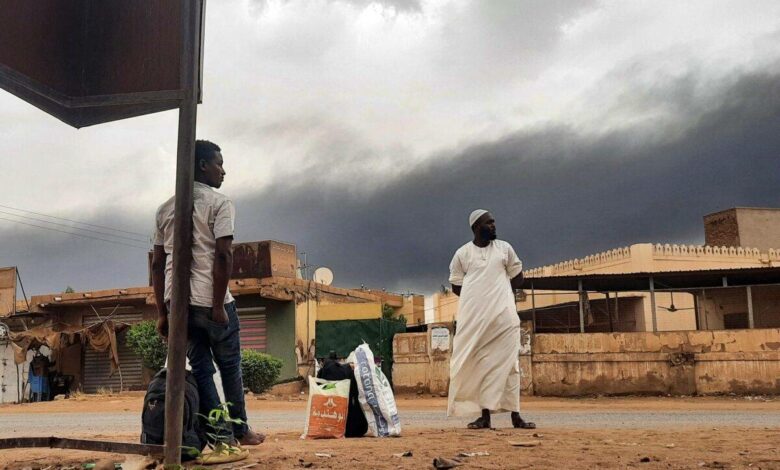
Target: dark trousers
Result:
[209, 342]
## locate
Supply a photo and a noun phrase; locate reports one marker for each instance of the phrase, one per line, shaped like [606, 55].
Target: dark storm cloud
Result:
[555, 194]
[397, 5]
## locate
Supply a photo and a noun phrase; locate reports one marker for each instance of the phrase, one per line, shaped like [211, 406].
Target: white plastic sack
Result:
[326, 415]
[375, 395]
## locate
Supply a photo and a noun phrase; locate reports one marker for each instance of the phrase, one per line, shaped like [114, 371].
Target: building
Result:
[278, 313]
[273, 312]
[649, 319]
[744, 226]
[664, 307]
[445, 306]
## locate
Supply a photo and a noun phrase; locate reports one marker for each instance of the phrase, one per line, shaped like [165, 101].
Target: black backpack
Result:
[153, 414]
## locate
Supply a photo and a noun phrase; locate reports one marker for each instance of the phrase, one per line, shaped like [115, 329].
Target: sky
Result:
[365, 132]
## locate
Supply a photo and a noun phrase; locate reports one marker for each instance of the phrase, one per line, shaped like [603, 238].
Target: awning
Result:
[100, 337]
[666, 280]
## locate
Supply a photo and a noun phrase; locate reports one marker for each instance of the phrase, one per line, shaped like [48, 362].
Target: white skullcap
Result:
[476, 215]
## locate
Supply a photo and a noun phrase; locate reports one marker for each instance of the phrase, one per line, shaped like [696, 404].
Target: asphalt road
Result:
[126, 423]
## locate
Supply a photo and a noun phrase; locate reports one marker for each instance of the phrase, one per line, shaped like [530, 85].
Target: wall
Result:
[9, 380]
[413, 309]
[721, 229]
[445, 307]
[280, 325]
[759, 228]
[682, 319]
[421, 361]
[716, 304]
[678, 363]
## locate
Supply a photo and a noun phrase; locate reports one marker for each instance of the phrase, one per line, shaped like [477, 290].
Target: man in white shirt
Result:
[213, 326]
[485, 363]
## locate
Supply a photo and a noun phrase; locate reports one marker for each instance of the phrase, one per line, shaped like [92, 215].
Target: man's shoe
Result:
[251, 438]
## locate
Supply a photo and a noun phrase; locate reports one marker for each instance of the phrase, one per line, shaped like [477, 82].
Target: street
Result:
[651, 432]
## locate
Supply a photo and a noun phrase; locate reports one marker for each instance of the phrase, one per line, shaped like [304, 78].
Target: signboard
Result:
[86, 62]
[7, 291]
[440, 339]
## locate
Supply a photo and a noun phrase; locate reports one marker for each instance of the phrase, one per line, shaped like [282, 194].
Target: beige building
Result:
[709, 306]
[744, 226]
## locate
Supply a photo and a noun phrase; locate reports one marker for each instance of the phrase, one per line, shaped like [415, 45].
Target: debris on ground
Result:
[537, 435]
[323, 454]
[524, 443]
[408, 453]
[474, 454]
[440, 463]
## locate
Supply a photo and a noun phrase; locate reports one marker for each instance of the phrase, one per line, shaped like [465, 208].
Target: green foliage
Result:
[388, 313]
[144, 341]
[259, 370]
[219, 424]
[69, 290]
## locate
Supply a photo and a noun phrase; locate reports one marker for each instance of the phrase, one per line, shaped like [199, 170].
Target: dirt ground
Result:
[553, 447]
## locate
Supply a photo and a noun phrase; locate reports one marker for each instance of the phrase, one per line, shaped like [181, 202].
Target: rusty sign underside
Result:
[92, 61]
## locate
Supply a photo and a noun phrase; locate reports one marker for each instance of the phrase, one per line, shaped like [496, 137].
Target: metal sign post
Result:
[96, 61]
[182, 230]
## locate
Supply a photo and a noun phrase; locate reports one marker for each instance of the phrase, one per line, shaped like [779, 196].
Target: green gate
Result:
[343, 336]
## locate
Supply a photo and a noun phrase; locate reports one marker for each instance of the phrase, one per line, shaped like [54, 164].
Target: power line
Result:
[74, 221]
[72, 227]
[75, 234]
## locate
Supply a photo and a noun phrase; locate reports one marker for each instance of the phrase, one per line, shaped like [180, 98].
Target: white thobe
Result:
[485, 366]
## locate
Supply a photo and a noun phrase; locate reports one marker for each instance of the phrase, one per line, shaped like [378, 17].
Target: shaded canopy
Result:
[664, 280]
[100, 337]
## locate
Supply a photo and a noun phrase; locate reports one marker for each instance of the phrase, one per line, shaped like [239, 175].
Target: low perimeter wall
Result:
[676, 363]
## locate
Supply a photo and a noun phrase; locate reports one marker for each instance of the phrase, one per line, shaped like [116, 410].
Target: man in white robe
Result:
[485, 363]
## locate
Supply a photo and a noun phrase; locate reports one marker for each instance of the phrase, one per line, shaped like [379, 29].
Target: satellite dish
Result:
[323, 275]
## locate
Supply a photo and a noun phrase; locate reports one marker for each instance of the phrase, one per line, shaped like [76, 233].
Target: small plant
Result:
[220, 434]
[259, 370]
[144, 341]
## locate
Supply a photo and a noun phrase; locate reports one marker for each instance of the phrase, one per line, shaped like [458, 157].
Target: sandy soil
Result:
[557, 448]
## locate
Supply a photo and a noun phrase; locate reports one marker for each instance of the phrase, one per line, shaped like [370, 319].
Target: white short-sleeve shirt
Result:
[213, 217]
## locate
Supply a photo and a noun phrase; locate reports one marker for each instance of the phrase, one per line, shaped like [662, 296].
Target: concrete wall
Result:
[744, 226]
[677, 363]
[421, 361]
[413, 309]
[759, 228]
[445, 307]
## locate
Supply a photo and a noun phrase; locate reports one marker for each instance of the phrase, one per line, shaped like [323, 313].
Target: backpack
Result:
[153, 414]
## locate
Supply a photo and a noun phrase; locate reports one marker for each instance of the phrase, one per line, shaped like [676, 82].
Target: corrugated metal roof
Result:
[663, 280]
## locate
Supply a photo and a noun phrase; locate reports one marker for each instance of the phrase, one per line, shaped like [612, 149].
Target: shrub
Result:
[144, 341]
[259, 370]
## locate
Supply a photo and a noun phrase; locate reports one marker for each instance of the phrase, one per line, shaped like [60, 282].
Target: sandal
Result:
[479, 423]
[520, 424]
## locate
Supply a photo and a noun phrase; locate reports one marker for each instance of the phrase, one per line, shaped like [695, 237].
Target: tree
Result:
[69, 290]
[388, 313]
[144, 341]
